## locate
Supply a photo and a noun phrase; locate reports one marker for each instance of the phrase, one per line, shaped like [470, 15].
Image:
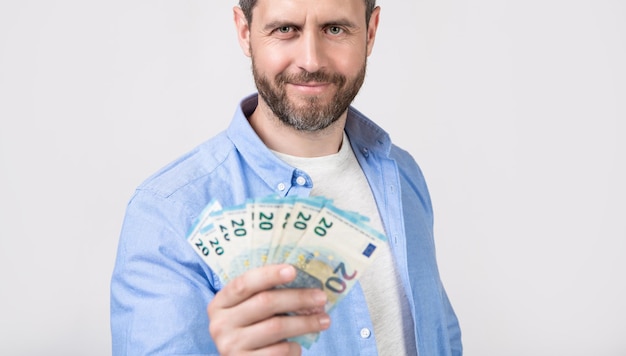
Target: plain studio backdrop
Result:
[515, 110]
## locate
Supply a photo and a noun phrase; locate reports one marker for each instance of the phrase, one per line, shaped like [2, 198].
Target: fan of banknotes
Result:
[329, 247]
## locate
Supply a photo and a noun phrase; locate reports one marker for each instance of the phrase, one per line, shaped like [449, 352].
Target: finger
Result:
[279, 328]
[253, 282]
[277, 301]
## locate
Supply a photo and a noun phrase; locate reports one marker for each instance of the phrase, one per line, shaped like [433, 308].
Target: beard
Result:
[314, 114]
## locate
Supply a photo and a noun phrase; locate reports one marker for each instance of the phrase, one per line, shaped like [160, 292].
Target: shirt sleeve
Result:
[160, 288]
[454, 329]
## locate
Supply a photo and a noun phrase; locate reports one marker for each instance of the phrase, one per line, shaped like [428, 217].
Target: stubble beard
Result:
[314, 114]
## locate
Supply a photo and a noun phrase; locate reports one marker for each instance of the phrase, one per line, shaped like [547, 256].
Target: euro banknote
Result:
[329, 247]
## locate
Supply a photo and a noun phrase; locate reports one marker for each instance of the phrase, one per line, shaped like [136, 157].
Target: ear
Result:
[372, 28]
[243, 30]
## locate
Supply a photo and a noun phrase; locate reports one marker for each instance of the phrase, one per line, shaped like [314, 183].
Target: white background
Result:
[515, 110]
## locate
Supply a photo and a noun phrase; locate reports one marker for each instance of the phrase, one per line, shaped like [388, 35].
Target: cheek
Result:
[270, 61]
[347, 58]
[350, 65]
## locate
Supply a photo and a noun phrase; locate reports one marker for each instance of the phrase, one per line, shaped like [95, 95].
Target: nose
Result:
[311, 55]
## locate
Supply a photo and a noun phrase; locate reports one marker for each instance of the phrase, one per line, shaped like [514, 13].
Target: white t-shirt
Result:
[339, 177]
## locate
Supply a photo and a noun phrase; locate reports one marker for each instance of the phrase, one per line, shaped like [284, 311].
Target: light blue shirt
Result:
[160, 288]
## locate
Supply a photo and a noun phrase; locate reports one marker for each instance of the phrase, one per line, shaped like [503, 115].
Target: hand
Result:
[248, 315]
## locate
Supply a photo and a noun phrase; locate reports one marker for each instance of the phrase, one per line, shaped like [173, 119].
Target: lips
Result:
[310, 88]
[309, 84]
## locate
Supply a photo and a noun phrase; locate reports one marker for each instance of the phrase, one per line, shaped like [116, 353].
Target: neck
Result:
[283, 138]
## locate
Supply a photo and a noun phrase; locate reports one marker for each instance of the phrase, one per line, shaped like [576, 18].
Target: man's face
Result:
[309, 58]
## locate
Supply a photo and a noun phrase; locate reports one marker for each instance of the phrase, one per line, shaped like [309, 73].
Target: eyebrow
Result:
[276, 24]
[339, 22]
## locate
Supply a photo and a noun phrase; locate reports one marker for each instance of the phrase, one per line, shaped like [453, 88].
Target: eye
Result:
[284, 29]
[334, 30]
[284, 32]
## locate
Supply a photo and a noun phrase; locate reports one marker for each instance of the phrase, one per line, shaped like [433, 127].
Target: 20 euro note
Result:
[265, 214]
[219, 236]
[204, 219]
[334, 251]
[282, 215]
[329, 247]
[303, 212]
[200, 237]
[236, 230]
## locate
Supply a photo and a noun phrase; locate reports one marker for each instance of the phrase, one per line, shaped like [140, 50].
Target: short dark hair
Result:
[247, 6]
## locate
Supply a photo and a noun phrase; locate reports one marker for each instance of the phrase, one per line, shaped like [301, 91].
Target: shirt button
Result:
[281, 186]
[301, 180]
[365, 333]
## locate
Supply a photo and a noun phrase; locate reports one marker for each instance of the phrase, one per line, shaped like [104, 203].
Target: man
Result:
[298, 137]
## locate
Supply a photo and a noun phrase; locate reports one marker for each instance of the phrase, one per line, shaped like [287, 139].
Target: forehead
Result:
[303, 10]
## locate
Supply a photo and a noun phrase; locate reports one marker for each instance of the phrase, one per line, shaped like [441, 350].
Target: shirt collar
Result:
[365, 137]
[266, 165]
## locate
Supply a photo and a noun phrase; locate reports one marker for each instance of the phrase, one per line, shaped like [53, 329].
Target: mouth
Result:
[310, 87]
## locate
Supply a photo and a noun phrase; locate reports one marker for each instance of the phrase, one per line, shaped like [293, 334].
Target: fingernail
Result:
[324, 320]
[287, 272]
